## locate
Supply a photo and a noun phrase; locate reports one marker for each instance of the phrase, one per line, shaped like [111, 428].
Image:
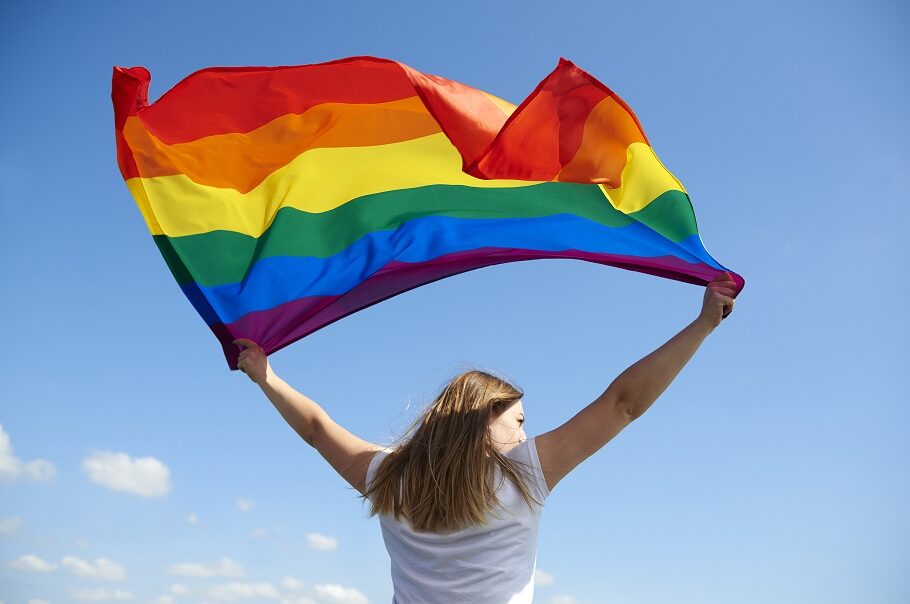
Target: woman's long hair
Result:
[441, 479]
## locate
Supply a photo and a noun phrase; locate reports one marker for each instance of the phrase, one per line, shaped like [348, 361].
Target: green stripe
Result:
[222, 257]
[671, 215]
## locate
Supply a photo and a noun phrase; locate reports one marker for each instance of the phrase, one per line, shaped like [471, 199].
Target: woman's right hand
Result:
[718, 299]
[253, 360]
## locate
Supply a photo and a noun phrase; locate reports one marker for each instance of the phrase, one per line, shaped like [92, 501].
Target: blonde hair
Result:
[441, 479]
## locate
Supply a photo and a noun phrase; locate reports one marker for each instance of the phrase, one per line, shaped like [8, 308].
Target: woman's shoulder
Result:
[375, 461]
[525, 450]
[525, 453]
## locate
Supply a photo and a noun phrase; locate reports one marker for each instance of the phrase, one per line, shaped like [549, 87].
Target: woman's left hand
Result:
[253, 360]
[718, 299]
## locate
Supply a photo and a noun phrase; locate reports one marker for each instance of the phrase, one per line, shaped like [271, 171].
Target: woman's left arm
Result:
[346, 452]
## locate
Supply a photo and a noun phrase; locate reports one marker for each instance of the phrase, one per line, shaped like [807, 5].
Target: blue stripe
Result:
[279, 279]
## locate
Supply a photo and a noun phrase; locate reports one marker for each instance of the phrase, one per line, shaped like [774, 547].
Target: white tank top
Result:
[491, 564]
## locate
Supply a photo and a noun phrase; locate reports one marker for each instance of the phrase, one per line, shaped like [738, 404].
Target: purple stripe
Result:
[277, 327]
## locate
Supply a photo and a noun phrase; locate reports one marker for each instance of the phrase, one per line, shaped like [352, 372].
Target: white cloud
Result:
[245, 504]
[230, 592]
[562, 599]
[180, 590]
[11, 467]
[295, 586]
[292, 584]
[165, 599]
[99, 594]
[542, 578]
[10, 525]
[40, 470]
[225, 567]
[192, 518]
[101, 568]
[298, 600]
[145, 476]
[37, 601]
[322, 542]
[332, 592]
[31, 562]
[261, 532]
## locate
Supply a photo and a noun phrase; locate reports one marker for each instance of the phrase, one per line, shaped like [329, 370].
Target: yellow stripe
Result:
[142, 200]
[644, 179]
[317, 180]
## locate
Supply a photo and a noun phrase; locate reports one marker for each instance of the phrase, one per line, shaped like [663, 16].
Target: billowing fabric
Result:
[491, 564]
[285, 198]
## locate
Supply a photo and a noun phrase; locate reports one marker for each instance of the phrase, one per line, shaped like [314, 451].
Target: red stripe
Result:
[219, 100]
[129, 92]
[222, 100]
[539, 139]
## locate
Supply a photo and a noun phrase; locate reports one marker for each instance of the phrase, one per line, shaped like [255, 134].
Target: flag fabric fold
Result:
[285, 198]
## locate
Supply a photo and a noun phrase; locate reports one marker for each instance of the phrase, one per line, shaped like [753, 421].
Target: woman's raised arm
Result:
[346, 452]
[641, 384]
[632, 392]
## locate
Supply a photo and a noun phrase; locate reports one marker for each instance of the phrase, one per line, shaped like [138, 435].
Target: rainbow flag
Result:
[285, 198]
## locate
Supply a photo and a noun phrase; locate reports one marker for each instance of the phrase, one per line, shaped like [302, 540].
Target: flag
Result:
[285, 198]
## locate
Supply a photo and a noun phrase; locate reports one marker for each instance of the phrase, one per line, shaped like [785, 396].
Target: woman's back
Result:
[492, 564]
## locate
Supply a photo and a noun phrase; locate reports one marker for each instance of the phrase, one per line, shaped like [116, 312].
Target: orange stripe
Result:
[243, 160]
[608, 131]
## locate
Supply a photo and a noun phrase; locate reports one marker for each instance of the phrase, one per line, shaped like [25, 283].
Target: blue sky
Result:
[774, 469]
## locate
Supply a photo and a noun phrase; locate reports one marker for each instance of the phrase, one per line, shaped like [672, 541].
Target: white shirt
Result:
[491, 564]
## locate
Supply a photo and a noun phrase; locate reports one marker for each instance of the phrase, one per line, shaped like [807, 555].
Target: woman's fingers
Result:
[725, 283]
[247, 352]
[251, 353]
[723, 279]
[246, 343]
[725, 291]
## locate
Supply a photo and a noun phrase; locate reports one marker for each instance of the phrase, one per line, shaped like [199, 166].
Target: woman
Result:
[460, 500]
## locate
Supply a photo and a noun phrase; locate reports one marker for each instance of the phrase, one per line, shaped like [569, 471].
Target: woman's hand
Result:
[718, 299]
[253, 361]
